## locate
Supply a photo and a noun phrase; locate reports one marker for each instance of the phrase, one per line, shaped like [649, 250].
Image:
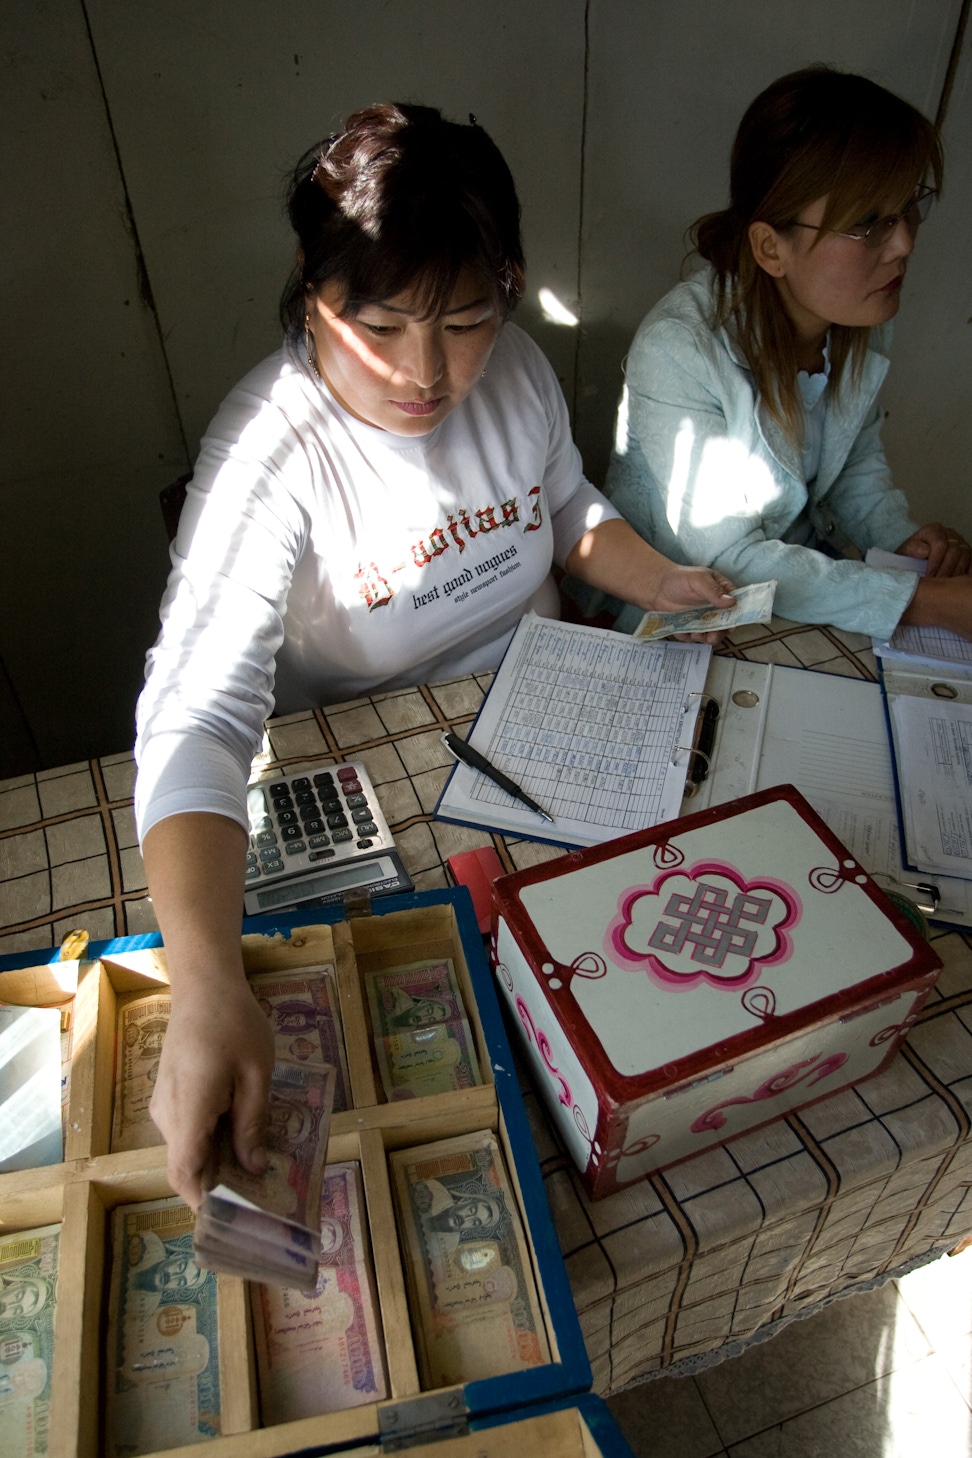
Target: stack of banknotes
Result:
[473, 1300]
[301, 1005]
[321, 1351]
[28, 1281]
[422, 1038]
[266, 1227]
[163, 1377]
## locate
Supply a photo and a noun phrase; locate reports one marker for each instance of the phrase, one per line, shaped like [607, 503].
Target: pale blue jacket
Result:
[707, 477]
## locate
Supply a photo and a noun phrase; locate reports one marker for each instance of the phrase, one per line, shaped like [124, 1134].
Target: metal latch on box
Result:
[422, 1419]
[671, 1093]
[356, 903]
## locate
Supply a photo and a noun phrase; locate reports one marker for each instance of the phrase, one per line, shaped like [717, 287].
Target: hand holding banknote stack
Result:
[267, 1227]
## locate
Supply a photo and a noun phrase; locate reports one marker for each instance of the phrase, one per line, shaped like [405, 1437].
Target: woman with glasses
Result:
[753, 425]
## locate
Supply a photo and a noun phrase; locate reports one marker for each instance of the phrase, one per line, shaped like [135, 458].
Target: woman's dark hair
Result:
[402, 199]
[813, 133]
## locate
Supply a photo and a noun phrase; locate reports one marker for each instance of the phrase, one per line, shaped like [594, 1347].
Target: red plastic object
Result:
[477, 870]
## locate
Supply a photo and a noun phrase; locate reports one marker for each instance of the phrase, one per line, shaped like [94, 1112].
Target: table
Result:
[684, 1266]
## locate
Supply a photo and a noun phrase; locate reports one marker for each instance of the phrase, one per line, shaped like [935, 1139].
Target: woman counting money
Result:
[753, 424]
[375, 505]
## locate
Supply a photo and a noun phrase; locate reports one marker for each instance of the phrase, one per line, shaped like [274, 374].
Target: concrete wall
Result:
[146, 250]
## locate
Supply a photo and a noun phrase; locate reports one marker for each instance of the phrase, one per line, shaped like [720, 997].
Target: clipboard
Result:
[598, 727]
[828, 736]
[926, 680]
[929, 715]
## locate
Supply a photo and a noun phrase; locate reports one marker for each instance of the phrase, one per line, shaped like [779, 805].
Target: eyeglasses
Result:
[876, 234]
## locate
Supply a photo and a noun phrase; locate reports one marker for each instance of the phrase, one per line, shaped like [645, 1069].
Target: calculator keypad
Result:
[310, 817]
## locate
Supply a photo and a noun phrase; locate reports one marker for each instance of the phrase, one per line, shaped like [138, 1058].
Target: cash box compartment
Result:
[81, 1193]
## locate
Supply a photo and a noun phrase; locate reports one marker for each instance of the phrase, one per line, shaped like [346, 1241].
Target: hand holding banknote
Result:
[754, 604]
[217, 1058]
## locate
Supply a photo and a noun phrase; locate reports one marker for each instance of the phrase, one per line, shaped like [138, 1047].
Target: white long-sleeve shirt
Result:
[319, 558]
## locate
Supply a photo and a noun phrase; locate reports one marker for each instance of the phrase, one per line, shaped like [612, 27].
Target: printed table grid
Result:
[589, 729]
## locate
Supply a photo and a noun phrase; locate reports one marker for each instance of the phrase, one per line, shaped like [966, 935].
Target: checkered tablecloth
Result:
[679, 1265]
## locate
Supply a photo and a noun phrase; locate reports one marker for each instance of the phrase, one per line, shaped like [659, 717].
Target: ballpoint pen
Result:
[465, 752]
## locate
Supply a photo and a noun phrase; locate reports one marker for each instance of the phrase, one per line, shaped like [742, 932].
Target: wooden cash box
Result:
[81, 1193]
[683, 985]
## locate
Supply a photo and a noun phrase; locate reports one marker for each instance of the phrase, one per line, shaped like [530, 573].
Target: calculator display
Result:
[340, 879]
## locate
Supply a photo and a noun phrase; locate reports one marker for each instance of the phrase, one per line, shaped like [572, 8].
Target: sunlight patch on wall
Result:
[554, 311]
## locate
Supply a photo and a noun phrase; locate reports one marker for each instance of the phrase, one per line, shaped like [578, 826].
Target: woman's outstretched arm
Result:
[218, 1051]
[613, 557]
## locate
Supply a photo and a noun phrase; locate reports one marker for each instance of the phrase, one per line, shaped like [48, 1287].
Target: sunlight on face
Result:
[395, 369]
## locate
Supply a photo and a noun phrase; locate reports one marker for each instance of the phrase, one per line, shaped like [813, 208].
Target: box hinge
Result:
[860, 1012]
[422, 1419]
[671, 1093]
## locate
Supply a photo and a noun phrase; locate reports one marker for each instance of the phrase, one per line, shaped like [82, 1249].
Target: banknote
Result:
[473, 1301]
[322, 1351]
[28, 1277]
[304, 1008]
[423, 1041]
[163, 1340]
[141, 1022]
[420, 1061]
[285, 1196]
[754, 604]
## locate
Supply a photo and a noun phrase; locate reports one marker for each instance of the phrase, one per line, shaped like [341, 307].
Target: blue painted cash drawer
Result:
[82, 1194]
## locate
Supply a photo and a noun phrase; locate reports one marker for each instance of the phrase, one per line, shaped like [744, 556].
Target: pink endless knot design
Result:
[711, 924]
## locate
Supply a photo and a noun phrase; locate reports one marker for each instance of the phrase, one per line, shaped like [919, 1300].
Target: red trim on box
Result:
[599, 1182]
[617, 1090]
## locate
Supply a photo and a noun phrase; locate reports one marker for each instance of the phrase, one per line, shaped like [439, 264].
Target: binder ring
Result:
[697, 694]
[691, 749]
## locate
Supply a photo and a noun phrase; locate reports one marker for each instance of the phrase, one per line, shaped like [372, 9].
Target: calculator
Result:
[317, 834]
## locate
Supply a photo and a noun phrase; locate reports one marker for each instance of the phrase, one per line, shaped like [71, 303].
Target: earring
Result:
[310, 346]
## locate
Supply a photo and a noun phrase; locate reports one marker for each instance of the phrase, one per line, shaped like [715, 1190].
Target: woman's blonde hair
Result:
[811, 134]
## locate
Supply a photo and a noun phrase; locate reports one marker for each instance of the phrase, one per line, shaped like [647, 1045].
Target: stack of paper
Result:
[163, 1386]
[927, 683]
